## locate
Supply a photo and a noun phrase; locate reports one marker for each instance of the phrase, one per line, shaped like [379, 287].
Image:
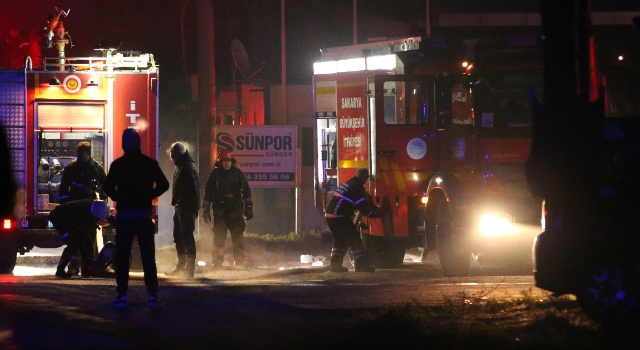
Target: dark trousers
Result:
[184, 224]
[144, 229]
[80, 242]
[345, 236]
[235, 224]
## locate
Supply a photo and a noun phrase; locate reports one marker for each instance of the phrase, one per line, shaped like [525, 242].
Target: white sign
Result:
[266, 154]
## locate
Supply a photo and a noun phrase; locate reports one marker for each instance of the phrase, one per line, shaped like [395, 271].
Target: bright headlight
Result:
[496, 225]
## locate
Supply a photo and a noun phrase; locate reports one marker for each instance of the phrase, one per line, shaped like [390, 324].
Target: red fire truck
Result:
[445, 137]
[46, 112]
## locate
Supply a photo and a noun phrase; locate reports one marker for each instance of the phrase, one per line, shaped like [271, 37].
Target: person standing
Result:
[134, 181]
[350, 196]
[185, 198]
[81, 179]
[227, 193]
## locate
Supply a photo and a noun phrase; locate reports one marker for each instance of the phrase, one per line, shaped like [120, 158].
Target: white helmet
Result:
[100, 210]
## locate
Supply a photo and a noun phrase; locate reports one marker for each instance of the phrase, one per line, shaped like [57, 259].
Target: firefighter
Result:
[81, 179]
[227, 193]
[71, 220]
[348, 197]
[185, 198]
[79, 176]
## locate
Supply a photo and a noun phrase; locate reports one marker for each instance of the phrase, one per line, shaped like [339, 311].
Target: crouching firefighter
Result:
[227, 193]
[105, 257]
[350, 196]
[70, 221]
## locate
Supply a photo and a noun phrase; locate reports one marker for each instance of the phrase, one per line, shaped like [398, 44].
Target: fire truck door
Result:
[405, 143]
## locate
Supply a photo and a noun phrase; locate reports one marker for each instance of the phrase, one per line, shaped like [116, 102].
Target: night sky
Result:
[155, 26]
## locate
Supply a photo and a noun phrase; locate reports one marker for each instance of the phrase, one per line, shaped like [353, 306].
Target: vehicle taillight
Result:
[7, 224]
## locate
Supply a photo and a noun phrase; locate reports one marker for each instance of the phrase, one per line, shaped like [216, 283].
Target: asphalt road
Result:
[263, 307]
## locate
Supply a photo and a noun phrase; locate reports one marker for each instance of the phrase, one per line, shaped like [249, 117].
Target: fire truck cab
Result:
[445, 147]
[47, 111]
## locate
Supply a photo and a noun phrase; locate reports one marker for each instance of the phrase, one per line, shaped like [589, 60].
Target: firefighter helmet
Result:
[225, 154]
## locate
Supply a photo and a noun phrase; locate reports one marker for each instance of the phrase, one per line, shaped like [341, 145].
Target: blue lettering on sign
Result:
[252, 142]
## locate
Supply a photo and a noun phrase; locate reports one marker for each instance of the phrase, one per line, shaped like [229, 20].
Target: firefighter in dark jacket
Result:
[227, 193]
[185, 197]
[134, 181]
[82, 178]
[70, 220]
[350, 196]
[79, 176]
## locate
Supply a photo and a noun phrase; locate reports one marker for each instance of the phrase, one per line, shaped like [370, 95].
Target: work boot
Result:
[74, 266]
[337, 268]
[60, 272]
[179, 270]
[189, 269]
[218, 257]
[85, 270]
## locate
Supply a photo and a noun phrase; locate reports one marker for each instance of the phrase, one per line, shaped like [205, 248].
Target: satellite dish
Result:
[240, 57]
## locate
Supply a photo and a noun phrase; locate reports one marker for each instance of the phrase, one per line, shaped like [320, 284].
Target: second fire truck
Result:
[445, 139]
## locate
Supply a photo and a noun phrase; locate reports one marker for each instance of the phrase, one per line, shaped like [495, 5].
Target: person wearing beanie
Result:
[133, 182]
[185, 197]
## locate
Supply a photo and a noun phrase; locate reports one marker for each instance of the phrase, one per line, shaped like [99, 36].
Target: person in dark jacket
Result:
[350, 196]
[133, 182]
[185, 198]
[71, 220]
[80, 176]
[81, 179]
[227, 193]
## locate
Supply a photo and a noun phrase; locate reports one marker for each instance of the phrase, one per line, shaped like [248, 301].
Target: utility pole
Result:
[206, 86]
[283, 44]
[427, 18]
[355, 22]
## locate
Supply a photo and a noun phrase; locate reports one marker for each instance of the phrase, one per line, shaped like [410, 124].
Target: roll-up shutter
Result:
[77, 116]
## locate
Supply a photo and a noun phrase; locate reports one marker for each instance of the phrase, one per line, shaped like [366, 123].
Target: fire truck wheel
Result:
[8, 253]
[455, 261]
[610, 295]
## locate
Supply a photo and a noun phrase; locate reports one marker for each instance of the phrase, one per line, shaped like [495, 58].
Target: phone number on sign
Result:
[269, 176]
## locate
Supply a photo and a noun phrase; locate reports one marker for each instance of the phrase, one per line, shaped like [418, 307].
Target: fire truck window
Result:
[503, 100]
[406, 103]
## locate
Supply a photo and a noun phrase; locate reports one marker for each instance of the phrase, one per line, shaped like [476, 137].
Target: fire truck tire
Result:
[610, 295]
[8, 253]
[455, 261]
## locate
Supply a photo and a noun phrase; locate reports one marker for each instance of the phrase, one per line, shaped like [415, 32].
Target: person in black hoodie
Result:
[185, 199]
[133, 182]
